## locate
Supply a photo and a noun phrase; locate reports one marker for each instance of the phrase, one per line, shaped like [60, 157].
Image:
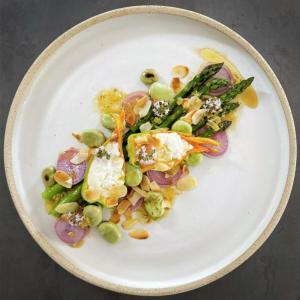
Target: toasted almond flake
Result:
[145, 184]
[198, 116]
[169, 194]
[188, 117]
[139, 191]
[186, 104]
[115, 217]
[139, 234]
[185, 170]
[130, 223]
[186, 183]
[154, 187]
[143, 110]
[176, 84]
[76, 135]
[146, 126]
[167, 203]
[130, 118]
[63, 179]
[123, 206]
[118, 191]
[80, 157]
[144, 219]
[92, 195]
[162, 167]
[71, 234]
[111, 202]
[195, 103]
[128, 214]
[180, 70]
[141, 139]
[134, 197]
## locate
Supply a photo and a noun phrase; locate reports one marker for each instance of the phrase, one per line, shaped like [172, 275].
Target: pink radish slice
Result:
[75, 171]
[161, 179]
[224, 73]
[132, 98]
[68, 233]
[222, 138]
[137, 205]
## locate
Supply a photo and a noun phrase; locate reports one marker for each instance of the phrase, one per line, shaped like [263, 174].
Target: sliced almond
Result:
[188, 117]
[154, 187]
[139, 191]
[185, 170]
[118, 191]
[186, 183]
[195, 102]
[139, 234]
[176, 84]
[123, 206]
[198, 116]
[130, 223]
[76, 135]
[80, 157]
[92, 195]
[145, 184]
[128, 214]
[142, 111]
[146, 126]
[134, 197]
[167, 203]
[63, 179]
[112, 202]
[115, 217]
[180, 70]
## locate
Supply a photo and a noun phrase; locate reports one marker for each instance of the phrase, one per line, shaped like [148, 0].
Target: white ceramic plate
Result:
[240, 196]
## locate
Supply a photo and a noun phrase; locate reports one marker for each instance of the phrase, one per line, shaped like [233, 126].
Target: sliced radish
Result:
[161, 179]
[224, 73]
[76, 171]
[222, 138]
[68, 233]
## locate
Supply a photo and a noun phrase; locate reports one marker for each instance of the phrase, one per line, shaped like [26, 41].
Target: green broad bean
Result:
[53, 190]
[133, 175]
[93, 138]
[93, 213]
[47, 176]
[154, 205]
[182, 126]
[194, 159]
[66, 207]
[149, 76]
[110, 232]
[108, 121]
[159, 91]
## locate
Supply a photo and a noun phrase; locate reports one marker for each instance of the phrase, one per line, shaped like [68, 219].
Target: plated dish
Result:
[209, 230]
[156, 135]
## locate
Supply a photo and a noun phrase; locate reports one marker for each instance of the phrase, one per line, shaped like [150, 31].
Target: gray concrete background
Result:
[27, 27]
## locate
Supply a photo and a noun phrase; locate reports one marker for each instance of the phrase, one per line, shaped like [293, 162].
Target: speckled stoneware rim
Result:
[19, 99]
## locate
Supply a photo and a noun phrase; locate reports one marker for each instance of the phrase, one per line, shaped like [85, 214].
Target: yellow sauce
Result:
[110, 100]
[79, 244]
[249, 96]
[49, 205]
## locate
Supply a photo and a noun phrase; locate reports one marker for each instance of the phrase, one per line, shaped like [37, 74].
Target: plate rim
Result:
[18, 100]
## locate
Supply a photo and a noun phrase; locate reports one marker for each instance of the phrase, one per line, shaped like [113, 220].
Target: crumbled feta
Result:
[161, 108]
[145, 156]
[174, 143]
[214, 105]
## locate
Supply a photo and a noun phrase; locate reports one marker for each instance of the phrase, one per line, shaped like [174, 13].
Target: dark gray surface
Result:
[27, 27]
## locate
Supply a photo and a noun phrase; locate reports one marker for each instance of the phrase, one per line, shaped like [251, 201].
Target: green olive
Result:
[133, 174]
[47, 176]
[108, 121]
[159, 91]
[182, 126]
[149, 76]
[93, 138]
[93, 213]
[194, 159]
[66, 207]
[110, 232]
[154, 205]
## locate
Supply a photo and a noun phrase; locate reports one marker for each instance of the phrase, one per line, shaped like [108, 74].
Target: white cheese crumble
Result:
[174, 143]
[105, 172]
[214, 105]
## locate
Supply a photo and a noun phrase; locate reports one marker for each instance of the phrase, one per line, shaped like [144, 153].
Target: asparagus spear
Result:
[229, 106]
[209, 131]
[236, 89]
[179, 111]
[199, 80]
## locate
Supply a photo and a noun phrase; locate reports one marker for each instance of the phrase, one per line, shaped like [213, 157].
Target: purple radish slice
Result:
[68, 233]
[224, 73]
[132, 98]
[75, 171]
[222, 138]
[137, 205]
[161, 179]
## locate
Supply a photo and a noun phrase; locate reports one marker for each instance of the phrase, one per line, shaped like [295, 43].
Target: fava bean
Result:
[93, 213]
[47, 176]
[182, 126]
[133, 174]
[149, 76]
[194, 159]
[154, 205]
[93, 138]
[110, 232]
[159, 91]
[108, 121]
